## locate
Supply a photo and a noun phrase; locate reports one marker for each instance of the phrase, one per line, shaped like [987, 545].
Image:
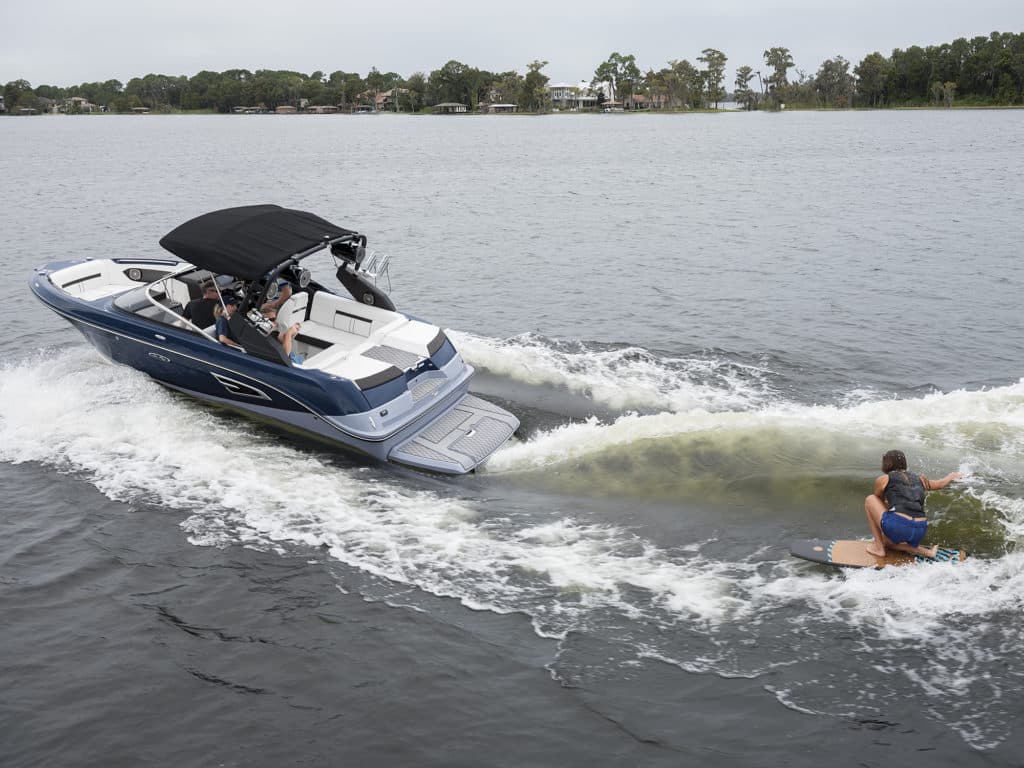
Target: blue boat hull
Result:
[372, 422]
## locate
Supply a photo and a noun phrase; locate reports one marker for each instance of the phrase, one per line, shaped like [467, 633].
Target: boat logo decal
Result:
[239, 389]
[161, 358]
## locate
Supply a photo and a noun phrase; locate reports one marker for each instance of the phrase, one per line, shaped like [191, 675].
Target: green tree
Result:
[656, 87]
[376, 81]
[454, 82]
[911, 75]
[872, 75]
[235, 90]
[505, 88]
[743, 93]
[780, 61]
[411, 98]
[534, 95]
[203, 91]
[18, 94]
[833, 83]
[684, 83]
[622, 73]
[313, 88]
[52, 92]
[714, 73]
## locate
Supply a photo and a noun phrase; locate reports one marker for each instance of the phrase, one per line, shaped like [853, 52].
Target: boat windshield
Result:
[166, 310]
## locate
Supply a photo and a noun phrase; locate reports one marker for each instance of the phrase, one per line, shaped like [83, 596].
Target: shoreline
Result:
[208, 113]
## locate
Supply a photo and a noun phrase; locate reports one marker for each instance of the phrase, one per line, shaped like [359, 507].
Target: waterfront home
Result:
[286, 109]
[387, 101]
[649, 101]
[572, 97]
[79, 104]
[449, 108]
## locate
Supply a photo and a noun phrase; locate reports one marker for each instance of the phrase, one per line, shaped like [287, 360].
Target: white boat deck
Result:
[341, 336]
[346, 338]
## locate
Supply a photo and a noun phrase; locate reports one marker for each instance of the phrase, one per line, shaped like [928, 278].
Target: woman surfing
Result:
[895, 510]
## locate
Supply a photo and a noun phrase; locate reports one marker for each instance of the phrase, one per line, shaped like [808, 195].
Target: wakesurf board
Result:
[846, 553]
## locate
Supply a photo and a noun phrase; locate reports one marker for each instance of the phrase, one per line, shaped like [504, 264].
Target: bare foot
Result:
[929, 552]
[876, 549]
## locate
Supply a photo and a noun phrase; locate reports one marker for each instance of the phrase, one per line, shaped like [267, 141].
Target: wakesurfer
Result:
[895, 511]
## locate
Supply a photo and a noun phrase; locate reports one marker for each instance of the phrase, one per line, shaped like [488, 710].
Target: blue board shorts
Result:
[899, 529]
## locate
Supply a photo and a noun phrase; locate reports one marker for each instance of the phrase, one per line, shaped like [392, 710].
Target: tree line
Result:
[981, 71]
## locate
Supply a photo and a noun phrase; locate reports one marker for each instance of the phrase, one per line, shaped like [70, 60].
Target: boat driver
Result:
[200, 311]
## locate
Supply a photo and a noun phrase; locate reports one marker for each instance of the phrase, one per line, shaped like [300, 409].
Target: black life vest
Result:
[905, 493]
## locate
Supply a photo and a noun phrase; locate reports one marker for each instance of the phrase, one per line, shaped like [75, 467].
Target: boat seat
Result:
[365, 372]
[177, 291]
[292, 311]
[344, 325]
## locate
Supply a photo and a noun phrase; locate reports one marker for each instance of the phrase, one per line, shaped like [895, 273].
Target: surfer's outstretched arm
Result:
[935, 485]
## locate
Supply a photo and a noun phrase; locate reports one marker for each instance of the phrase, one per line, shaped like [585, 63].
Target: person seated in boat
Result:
[287, 339]
[895, 510]
[200, 311]
[284, 292]
[283, 289]
[223, 313]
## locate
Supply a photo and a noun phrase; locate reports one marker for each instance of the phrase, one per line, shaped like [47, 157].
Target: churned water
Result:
[711, 327]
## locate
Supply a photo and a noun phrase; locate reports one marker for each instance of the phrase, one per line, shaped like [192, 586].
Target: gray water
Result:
[711, 327]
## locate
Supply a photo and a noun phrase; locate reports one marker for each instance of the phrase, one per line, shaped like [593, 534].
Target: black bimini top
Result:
[249, 241]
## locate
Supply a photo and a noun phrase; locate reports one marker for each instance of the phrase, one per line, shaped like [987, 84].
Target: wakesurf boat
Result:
[362, 374]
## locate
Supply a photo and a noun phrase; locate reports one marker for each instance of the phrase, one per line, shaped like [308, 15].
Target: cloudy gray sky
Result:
[65, 42]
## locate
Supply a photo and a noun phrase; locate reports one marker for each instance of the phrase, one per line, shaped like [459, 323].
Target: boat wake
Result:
[622, 378]
[726, 608]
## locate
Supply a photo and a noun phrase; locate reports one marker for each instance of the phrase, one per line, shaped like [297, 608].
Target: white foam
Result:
[990, 421]
[910, 602]
[620, 379]
[134, 440]
[239, 485]
[1011, 511]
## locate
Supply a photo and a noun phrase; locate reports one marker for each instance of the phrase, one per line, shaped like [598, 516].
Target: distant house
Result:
[650, 101]
[572, 97]
[496, 109]
[563, 95]
[286, 109]
[80, 104]
[2, 107]
[323, 109]
[449, 108]
[388, 100]
[364, 109]
[140, 110]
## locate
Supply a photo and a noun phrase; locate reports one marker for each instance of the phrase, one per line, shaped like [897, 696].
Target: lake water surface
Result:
[711, 327]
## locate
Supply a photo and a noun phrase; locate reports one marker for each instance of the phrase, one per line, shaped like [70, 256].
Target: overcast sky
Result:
[66, 42]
